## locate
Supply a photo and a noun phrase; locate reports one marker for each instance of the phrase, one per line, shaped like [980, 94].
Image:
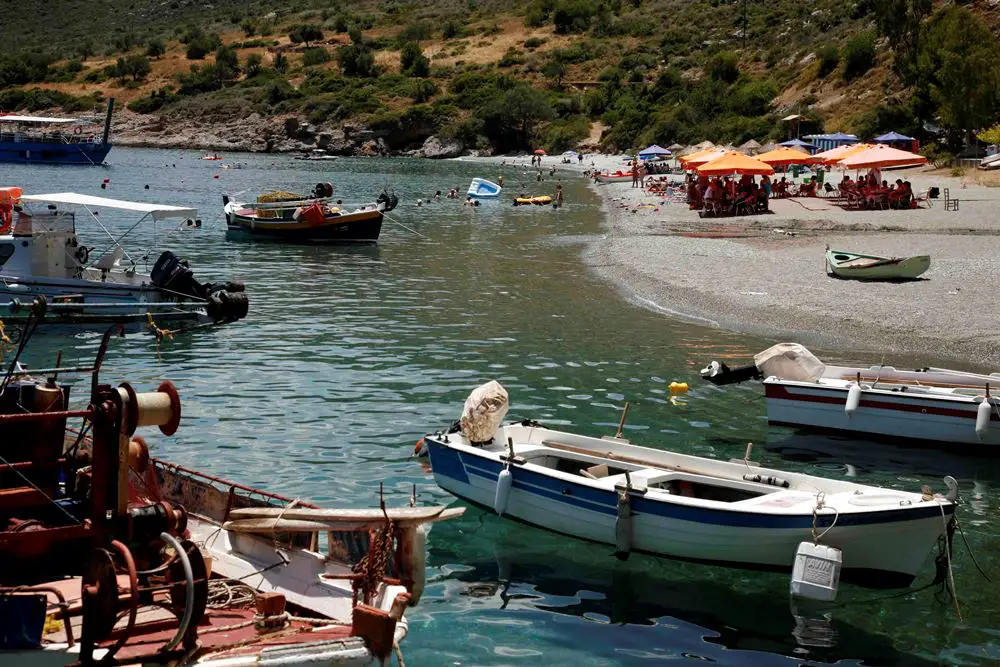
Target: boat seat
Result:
[596, 471]
[110, 259]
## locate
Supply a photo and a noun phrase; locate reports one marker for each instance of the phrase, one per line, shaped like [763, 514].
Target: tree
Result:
[510, 121]
[571, 16]
[859, 55]
[412, 60]
[829, 58]
[254, 64]
[138, 66]
[900, 22]
[555, 69]
[990, 136]
[155, 48]
[958, 63]
[305, 33]
[280, 62]
[724, 66]
[315, 56]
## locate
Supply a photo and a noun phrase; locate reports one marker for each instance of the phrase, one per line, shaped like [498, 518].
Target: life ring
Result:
[77, 130]
[82, 254]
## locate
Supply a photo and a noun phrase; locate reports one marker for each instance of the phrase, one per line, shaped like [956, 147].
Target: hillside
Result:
[477, 73]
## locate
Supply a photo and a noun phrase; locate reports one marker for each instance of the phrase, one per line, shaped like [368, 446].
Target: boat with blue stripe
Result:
[47, 140]
[658, 502]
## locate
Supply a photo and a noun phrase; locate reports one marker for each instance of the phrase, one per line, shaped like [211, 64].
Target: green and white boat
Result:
[852, 265]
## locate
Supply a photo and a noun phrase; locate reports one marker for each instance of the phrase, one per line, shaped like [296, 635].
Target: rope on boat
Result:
[971, 555]
[820, 504]
[399, 654]
[157, 331]
[949, 533]
[6, 344]
[409, 229]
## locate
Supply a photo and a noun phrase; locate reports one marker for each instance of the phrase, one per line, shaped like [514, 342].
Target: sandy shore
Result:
[766, 275]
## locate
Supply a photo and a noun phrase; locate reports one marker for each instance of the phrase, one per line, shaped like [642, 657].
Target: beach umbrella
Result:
[735, 162]
[539, 151]
[834, 155]
[892, 137]
[653, 151]
[786, 155]
[878, 157]
[796, 143]
[750, 147]
[697, 159]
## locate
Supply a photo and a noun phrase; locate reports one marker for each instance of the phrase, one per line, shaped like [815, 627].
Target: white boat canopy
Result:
[156, 211]
[37, 119]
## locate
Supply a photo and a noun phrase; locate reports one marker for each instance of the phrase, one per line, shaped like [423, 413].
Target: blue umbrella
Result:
[654, 150]
[796, 143]
[892, 137]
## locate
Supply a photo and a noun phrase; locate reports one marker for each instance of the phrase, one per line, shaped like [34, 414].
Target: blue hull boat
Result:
[43, 140]
[40, 152]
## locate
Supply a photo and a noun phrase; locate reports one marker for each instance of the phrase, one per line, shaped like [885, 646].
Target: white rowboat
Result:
[688, 507]
[871, 267]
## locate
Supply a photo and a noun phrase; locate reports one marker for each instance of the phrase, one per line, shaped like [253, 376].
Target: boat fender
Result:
[420, 449]
[853, 399]
[983, 415]
[623, 526]
[297, 214]
[504, 482]
[414, 561]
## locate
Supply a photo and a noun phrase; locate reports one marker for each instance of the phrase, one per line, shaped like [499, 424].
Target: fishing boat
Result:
[41, 256]
[293, 218]
[480, 188]
[658, 502]
[213, 157]
[934, 405]
[613, 177]
[112, 556]
[990, 162]
[31, 140]
[845, 264]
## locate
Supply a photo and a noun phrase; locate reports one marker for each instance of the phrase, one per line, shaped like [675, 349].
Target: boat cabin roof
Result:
[156, 211]
[36, 119]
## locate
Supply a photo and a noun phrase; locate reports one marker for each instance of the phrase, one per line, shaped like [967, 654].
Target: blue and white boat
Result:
[43, 140]
[657, 502]
[480, 188]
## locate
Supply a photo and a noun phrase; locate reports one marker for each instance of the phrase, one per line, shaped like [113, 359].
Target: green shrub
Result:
[724, 66]
[452, 29]
[511, 57]
[533, 42]
[315, 56]
[416, 32]
[573, 16]
[859, 55]
[280, 63]
[561, 135]
[155, 48]
[254, 64]
[412, 60]
[305, 33]
[828, 58]
[357, 60]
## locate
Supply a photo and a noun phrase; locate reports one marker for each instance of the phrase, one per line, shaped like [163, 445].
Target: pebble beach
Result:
[765, 274]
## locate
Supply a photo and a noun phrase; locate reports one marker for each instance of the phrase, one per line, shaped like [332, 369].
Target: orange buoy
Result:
[420, 448]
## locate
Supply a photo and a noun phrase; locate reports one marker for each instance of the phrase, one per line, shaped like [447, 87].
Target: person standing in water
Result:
[500, 180]
[559, 195]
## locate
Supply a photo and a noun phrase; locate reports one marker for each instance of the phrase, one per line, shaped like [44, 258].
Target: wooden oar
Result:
[307, 520]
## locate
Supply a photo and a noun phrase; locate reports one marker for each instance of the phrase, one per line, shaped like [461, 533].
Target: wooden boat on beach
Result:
[935, 405]
[872, 267]
[659, 502]
[613, 177]
[291, 218]
[114, 557]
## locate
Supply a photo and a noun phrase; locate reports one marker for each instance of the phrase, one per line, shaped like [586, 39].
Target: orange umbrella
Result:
[878, 157]
[785, 155]
[837, 154]
[735, 163]
[695, 160]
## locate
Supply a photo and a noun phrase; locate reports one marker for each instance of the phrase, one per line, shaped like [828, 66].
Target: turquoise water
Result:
[350, 355]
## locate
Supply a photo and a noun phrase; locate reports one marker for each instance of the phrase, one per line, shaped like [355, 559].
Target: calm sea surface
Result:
[350, 355]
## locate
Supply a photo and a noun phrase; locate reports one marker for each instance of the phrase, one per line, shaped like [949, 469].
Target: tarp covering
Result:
[484, 411]
[796, 142]
[882, 156]
[789, 361]
[36, 119]
[156, 211]
[735, 163]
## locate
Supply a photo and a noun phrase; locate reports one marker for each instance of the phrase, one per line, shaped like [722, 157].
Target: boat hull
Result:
[28, 152]
[881, 412]
[93, 303]
[601, 178]
[352, 228]
[906, 268]
[687, 532]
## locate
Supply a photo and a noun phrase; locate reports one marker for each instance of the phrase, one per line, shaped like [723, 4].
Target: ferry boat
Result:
[28, 140]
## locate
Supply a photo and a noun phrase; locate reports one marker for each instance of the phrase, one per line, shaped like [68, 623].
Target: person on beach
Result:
[533, 160]
[579, 158]
[635, 173]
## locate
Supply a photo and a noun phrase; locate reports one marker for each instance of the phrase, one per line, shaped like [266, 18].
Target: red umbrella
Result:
[539, 151]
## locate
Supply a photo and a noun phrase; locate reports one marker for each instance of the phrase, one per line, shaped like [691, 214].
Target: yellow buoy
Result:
[678, 387]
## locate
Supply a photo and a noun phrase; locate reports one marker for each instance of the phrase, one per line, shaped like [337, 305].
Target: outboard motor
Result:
[224, 303]
[387, 201]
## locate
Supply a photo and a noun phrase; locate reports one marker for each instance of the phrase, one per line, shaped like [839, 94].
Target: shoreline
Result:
[764, 275]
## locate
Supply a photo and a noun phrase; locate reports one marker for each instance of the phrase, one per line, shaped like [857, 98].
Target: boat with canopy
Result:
[46, 140]
[42, 256]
